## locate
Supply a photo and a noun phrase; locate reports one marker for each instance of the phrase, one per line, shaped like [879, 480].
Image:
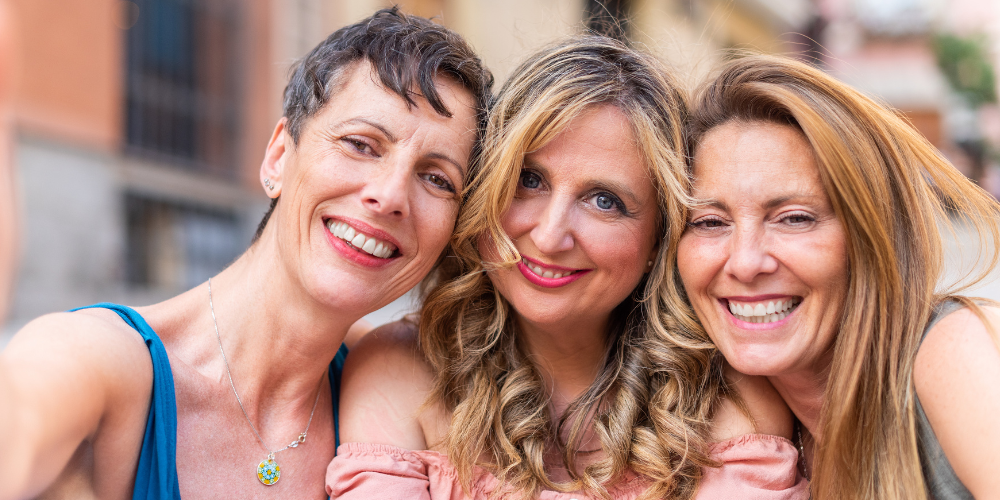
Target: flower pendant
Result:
[268, 471]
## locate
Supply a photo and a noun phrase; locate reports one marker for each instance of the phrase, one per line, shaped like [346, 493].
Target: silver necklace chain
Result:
[302, 437]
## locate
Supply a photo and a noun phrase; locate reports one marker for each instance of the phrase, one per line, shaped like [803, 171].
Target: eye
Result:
[359, 146]
[438, 182]
[797, 219]
[607, 201]
[707, 224]
[604, 202]
[530, 180]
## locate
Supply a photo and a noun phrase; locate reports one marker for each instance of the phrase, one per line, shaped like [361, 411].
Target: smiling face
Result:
[764, 260]
[369, 195]
[584, 221]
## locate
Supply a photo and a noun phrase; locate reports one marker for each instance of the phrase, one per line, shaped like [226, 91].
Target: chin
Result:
[756, 360]
[344, 291]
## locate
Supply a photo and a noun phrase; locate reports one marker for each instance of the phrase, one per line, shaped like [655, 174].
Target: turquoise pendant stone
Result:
[268, 472]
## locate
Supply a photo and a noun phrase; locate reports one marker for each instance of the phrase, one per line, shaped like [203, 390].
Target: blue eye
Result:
[604, 202]
[530, 180]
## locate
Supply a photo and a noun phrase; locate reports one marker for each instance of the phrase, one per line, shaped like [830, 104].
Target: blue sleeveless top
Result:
[156, 477]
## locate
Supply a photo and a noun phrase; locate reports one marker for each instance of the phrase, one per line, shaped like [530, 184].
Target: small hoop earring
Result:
[267, 182]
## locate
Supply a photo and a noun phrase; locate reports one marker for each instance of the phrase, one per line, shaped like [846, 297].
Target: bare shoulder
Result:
[96, 343]
[65, 378]
[957, 379]
[768, 412]
[385, 384]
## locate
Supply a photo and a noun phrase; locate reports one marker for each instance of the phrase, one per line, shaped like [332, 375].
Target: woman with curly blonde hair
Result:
[813, 258]
[549, 364]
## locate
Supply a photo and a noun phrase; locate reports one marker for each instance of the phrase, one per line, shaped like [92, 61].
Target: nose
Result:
[552, 232]
[387, 191]
[749, 255]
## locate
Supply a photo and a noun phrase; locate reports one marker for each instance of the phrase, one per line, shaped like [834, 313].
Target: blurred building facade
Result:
[934, 60]
[140, 126]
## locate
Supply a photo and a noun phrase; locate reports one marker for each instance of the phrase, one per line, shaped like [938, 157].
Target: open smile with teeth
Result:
[764, 312]
[545, 273]
[367, 244]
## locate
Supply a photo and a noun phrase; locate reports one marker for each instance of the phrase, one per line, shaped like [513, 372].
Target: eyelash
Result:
[617, 202]
[806, 218]
[702, 223]
[360, 146]
[447, 186]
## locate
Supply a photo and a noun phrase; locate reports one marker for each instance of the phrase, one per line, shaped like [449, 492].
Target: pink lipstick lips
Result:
[560, 276]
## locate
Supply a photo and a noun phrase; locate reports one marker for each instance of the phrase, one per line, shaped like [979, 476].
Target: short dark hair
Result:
[406, 51]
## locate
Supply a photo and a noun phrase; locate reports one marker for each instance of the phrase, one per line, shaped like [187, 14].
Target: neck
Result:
[569, 357]
[279, 340]
[803, 392]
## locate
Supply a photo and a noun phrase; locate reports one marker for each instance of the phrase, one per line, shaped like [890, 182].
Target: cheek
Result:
[694, 262]
[435, 223]
[522, 216]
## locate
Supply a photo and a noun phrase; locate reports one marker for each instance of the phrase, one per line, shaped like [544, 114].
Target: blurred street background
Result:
[139, 127]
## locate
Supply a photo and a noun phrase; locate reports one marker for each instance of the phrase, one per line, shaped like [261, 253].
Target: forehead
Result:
[357, 90]
[599, 143]
[755, 160]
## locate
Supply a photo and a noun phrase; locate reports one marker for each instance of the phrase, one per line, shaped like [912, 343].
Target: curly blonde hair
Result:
[651, 401]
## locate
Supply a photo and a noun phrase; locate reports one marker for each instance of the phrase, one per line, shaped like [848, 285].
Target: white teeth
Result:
[544, 273]
[359, 240]
[761, 313]
[367, 244]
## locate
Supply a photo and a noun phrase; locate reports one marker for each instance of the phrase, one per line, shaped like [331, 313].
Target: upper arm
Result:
[957, 378]
[58, 377]
[384, 386]
[769, 412]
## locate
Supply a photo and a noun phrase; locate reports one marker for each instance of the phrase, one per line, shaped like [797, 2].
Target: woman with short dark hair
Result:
[228, 380]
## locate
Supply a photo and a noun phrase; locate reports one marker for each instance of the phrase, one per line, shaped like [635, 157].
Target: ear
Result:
[653, 255]
[273, 166]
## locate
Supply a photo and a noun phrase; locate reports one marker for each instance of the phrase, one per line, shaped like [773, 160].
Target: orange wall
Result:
[70, 62]
[261, 100]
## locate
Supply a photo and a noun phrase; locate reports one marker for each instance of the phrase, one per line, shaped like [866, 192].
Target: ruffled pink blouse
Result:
[754, 467]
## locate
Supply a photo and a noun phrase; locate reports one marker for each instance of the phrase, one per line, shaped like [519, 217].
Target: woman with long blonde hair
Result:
[812, 257]
[549, 363]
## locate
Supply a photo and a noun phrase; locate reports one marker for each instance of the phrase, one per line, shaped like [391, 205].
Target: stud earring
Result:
[267, 182]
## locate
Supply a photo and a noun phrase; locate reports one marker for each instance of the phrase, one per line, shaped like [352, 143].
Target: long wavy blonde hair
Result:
[656, 390]
[890, 189]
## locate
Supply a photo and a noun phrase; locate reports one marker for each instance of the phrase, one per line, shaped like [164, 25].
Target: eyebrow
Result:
[370, 123]
[392, 138]
[768, 205]
[781, 200]
[446, 158]
[616, 187]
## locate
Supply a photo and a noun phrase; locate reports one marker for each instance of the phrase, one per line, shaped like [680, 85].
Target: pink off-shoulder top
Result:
[754, 467]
